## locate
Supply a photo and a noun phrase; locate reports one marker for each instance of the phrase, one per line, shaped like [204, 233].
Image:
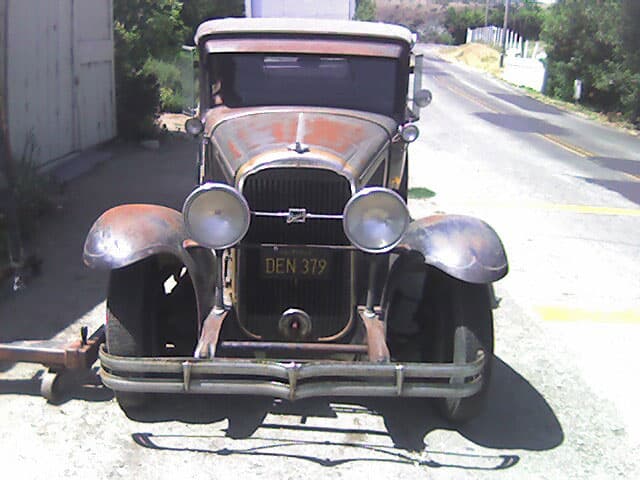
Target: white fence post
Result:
[520, 46]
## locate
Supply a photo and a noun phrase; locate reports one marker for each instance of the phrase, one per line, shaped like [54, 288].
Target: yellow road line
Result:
[559, 207]
[629, 212]
[457, 91]
[632, 176]
[564, 314]
[581, 152]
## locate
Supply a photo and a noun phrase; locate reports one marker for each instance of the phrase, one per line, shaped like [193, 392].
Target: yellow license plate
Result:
[283, 263]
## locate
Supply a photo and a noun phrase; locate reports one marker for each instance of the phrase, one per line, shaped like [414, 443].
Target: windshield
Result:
[359, 83]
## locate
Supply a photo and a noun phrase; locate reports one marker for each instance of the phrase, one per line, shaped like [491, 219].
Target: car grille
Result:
[261, 299]
[279, 189]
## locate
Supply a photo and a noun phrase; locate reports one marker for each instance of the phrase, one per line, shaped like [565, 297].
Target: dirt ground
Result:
[85, 432]
[66, 289]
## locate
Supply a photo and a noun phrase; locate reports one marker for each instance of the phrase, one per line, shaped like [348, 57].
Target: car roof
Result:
[309, 26]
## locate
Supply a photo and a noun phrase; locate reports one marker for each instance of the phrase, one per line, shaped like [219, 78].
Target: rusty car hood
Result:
[344, 141]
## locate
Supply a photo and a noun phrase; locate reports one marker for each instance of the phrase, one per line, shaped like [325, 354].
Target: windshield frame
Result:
[397, 51]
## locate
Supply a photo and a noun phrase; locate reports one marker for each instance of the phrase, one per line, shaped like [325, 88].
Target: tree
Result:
[631, 47]
[597, 42]
[365, 10]
[457, 21]
[145, 28]
[142, 28]
[527, 18]
[196, 11]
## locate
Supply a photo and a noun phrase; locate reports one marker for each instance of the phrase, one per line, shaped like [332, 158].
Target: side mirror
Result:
[420, 97]
[423, 97]
[194, 126]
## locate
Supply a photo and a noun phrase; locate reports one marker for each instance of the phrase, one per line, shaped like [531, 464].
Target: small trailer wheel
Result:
[51, 385]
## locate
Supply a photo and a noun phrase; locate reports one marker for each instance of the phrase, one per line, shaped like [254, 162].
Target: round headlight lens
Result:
[409, 133]
[375, 219]
[216, 215]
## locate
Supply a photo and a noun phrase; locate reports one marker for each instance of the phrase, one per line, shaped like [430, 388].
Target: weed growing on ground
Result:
[421, 193]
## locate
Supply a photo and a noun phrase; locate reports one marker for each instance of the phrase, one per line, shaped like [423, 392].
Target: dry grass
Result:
[476, 55]
[172, 122]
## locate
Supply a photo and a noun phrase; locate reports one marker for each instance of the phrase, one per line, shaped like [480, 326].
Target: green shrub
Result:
[173, 97]
[434, 34]
[137, 100]
[598, 43]
[171, 101]
[365, 10]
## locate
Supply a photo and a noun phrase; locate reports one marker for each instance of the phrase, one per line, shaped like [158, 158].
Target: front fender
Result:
[464, 247]
[128, 233]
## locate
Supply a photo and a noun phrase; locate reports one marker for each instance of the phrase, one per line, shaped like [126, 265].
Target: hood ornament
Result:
[298, 147]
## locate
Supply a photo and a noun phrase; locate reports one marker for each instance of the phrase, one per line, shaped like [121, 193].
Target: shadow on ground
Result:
[520, 123]
[629, 189]
[517, 417]
[66, 289]
[77, 386]
[527, 103]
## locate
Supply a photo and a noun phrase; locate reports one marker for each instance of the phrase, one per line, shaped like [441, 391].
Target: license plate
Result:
[295, 263]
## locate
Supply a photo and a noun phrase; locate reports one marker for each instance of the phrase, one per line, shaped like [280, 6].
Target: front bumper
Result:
[291, 380]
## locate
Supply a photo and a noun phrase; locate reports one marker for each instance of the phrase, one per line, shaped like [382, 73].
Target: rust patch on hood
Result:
[340, 139]
[331, 131]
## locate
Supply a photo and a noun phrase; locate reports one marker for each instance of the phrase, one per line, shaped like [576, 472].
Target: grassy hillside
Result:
[426, 17]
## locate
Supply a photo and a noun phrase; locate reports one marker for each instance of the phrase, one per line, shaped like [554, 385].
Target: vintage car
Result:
[294, 269]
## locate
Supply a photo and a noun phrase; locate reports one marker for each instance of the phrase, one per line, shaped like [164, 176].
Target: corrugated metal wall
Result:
[60, 85]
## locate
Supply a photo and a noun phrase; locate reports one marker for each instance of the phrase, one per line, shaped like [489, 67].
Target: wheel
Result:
[458, 323]
[403, 190]
[50, 386]
[132, 301]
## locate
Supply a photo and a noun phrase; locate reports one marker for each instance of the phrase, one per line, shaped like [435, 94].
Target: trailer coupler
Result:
[65, 362]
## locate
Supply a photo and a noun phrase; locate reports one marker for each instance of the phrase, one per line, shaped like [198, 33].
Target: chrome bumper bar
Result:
[292, 380]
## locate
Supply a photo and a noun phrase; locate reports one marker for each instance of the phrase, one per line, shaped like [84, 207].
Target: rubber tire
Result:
[403, 190]
[131, 301]
[460, 322]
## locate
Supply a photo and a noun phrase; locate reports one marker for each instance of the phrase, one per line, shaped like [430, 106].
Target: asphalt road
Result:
[562, 194]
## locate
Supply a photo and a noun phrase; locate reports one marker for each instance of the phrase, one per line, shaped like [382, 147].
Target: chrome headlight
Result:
[375, 219]
[216, 215]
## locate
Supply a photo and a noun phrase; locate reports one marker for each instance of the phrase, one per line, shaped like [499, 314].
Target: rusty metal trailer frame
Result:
[64, 361]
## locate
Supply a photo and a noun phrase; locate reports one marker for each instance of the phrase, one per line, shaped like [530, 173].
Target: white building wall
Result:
[94, 67]
[336, 9]
[524, 72]
[60, 85]
[3, 50]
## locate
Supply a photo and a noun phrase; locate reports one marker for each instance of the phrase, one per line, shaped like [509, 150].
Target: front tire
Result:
[132, 301]
[459, 324]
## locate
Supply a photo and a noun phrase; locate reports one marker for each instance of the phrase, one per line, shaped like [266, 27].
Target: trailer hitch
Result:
[66, 362]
